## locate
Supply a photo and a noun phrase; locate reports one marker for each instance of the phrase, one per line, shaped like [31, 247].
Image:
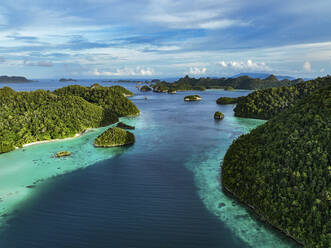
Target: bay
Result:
[164, 191]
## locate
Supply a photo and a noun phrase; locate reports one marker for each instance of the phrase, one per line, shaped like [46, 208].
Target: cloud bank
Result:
[224, 36]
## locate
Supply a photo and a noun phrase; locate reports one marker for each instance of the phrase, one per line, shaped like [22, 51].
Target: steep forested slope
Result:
[282, 170]
[265, 104]
[27, 117]
[112, 99]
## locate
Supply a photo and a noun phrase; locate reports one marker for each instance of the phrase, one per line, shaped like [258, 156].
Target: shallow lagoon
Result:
[162, 192]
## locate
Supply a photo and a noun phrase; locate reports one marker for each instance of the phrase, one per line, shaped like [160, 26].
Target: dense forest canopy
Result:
[114, 136]
[282, 169]
[110, 98]
[265, 104]
[243, 82]
[228, 100]
[27, 117]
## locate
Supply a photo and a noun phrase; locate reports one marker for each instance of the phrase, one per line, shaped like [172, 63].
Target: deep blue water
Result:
[151, 194]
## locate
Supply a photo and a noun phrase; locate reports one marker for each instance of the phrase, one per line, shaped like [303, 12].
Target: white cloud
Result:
[138, 71]
[223, 64]
[39, 63]
[221, 24]
[198, 71]
[307, 66]
[245, 65]
[177, 14]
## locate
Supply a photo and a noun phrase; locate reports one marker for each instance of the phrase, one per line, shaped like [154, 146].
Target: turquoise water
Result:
[164, 191]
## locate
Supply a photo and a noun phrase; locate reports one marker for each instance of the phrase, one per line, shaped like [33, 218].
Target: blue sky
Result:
[164, 38]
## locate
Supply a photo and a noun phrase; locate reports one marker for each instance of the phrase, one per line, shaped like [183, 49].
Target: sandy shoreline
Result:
[54, 140]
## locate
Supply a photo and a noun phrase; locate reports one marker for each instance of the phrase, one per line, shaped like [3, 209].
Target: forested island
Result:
[242, 82]
[267, 103]
[282, 169]
[145, 88]
[27, 117]
[67, 80]
[192, 98]
[114, 136]
[14, 79]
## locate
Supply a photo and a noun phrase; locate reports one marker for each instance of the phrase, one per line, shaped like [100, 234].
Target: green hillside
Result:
[267, 103]
[282, 170]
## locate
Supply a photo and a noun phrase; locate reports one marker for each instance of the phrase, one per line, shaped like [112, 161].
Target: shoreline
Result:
[260, 216]
[54, 140]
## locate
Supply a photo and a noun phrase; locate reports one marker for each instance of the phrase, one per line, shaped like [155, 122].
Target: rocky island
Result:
[62, 154]
[218, 115]
[114, 137]
[192, 98]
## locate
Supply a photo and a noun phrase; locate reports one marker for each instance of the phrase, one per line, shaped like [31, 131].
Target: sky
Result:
[164, 38]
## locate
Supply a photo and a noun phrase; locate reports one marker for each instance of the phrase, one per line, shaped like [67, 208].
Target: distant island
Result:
[122, 81]
[261, 75]
[67, 80]
[14, 79]
[243, 82]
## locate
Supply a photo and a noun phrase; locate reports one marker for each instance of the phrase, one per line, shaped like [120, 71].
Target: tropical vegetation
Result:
[267, 103]
[192, 98]
[27, 117]
[244, 82]
[282, 168]
[114, 136]
[218, 115]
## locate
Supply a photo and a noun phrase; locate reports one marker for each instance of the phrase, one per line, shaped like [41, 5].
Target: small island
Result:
[114, 136]
[62, 154]
[124, 126]
[218, 115]
[67, 80]
[192, 98]
[172, 91]
[228, 88]
[145, 88]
